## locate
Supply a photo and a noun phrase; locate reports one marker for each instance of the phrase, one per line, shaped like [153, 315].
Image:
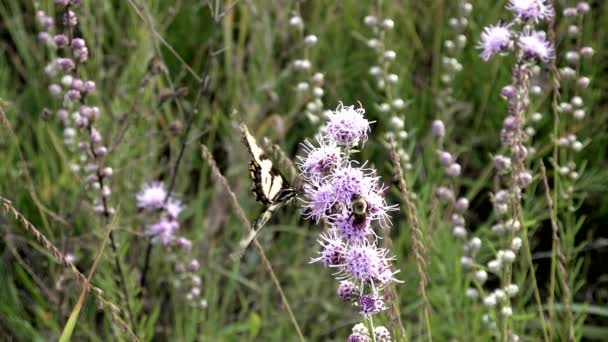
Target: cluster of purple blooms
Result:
[502, 38]
[156, 200]
[334, 182]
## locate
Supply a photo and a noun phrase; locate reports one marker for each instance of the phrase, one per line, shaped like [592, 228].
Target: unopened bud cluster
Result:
[392, 105]
[453, 48]
[310, 87]
[572, 108]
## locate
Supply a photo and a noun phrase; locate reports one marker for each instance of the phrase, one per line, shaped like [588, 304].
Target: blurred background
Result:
[178, 74]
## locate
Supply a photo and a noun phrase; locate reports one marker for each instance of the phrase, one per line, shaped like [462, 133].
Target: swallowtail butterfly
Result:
[270, 187]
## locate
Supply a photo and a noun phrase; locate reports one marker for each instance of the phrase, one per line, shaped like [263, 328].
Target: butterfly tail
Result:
[256, 227]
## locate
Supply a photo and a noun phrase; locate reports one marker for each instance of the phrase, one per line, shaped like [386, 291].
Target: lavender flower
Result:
[319, 202]
[152, 196]
[347, 125]
[495, 39]
[358, 337]
[162, 231]
[371, 304]
[320, 161]
[534, 45]
[346, 291]
[532, 10]
[332, 250]
[349, 182]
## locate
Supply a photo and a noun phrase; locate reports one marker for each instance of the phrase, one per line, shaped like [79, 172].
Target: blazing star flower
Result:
[533, 10]
[320, 199]
[351, 231]
[347, 126]
[151, 196]
[494, 39]
[358, 337]
[163, 231]
[362, 262]
[377, 209]
[371, 304]
[333, 249]
[320, 161]
[382, 334]
[346, 291]
[349, 182]
[534, 45]
[173, 208]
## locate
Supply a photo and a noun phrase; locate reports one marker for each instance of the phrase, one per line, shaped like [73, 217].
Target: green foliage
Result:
[250, 75]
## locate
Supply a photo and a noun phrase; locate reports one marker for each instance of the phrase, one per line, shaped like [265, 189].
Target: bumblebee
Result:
[359, 208]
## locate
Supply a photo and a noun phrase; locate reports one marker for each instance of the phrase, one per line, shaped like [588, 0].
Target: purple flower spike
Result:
[347, 126]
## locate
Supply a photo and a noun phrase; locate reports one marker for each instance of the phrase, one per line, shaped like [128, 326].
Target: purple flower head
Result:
[533, 10]
[358, 337]
[349, 182]
[534, 45]
[350, 229]
[332, 250]
[151, 196]
[346, 291]
[320, 199]
[320, 161]
[494, 39]
[163, 231]
[371, 304]
[363, 262]
[382, 334]
[173, 208]
[347, 125]
[377, 209]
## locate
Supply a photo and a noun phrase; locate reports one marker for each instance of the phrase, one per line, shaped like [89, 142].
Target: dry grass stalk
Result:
[7, 208]
[561, 264]
[417, 237]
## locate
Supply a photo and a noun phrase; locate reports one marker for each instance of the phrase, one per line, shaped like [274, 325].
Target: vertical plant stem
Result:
[555, 85]
[561, 265]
